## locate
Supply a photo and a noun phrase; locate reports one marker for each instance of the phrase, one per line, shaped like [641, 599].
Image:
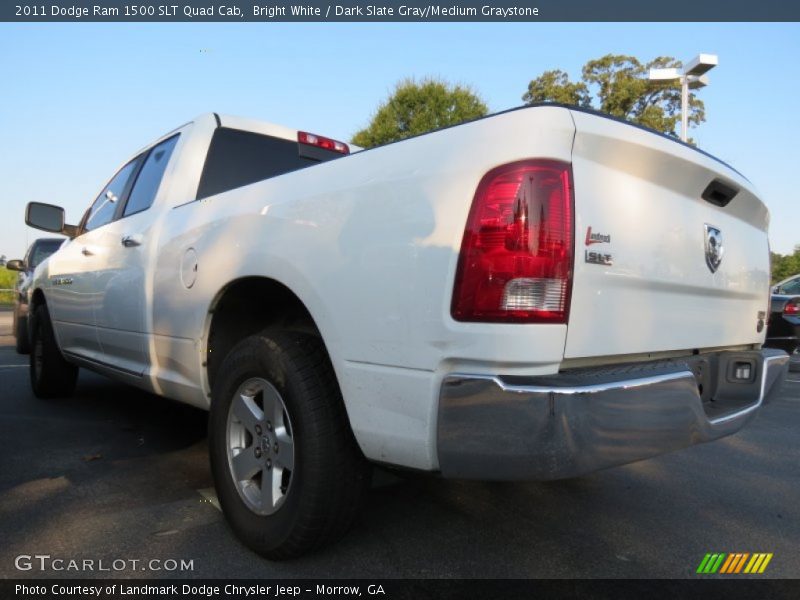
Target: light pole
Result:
[691, 76]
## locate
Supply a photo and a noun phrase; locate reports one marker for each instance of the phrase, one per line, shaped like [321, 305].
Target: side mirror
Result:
[48, 217]
[45, 217]
[15, 265]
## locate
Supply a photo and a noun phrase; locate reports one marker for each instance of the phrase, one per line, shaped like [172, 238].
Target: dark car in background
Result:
[38, 252]
[783, 330]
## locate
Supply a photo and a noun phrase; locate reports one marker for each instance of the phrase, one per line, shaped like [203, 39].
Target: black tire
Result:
[51, 375]
[21, 334]
[329, 475]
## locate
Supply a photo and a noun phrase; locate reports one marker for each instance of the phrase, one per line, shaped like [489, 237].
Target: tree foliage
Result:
[555, 86]
[785, 265]
[7, 281]
[415, 108]
[619, 85]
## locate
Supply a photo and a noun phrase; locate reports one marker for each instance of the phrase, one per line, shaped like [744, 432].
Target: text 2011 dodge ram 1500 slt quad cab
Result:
[534, 295]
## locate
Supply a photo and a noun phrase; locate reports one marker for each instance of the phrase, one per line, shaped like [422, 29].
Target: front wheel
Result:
[288, 472]
[51, 375]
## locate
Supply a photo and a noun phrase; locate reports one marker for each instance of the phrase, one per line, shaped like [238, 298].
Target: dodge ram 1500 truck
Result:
[533, 295]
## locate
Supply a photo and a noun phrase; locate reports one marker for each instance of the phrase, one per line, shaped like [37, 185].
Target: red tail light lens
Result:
[792, 307]
[322, 142]
[516, 256]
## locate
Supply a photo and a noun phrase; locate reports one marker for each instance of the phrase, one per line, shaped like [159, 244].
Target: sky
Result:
[78, 99]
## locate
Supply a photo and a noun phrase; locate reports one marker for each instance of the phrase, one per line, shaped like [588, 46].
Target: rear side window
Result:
[150, 176]
[792, 287]
[104, 207]
[236, 158]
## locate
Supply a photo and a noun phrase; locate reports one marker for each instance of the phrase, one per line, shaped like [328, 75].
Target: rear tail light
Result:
[792, 307]
[322, 142]
[516, 256]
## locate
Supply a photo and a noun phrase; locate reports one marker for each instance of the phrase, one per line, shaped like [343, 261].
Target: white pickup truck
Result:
[534, 295]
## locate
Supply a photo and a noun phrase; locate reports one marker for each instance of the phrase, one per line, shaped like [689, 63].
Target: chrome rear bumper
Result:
[538, 428]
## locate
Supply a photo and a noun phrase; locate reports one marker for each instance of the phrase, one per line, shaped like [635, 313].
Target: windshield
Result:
[42, 250]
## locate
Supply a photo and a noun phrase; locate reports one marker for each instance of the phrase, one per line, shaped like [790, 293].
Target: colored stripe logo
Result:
[734, 563]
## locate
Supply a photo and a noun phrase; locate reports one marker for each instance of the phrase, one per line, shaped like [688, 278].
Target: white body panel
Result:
[369, 243]
[71, 296]
[658, 295]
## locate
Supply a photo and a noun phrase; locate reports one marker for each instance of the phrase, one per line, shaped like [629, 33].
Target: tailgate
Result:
[647, 278]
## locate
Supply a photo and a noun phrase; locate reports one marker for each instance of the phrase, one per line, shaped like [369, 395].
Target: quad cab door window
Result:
[119, 297]
[105, 206]
[133, 189]
[149, 178]
[100, 294]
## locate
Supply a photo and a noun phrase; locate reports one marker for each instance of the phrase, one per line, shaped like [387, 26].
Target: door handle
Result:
[86, 252]
[129, 241]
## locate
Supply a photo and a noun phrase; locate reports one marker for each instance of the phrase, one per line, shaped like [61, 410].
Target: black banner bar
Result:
[410, 11]
[399, 589]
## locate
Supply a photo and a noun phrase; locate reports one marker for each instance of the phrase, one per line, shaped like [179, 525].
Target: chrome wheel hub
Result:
[260, 446]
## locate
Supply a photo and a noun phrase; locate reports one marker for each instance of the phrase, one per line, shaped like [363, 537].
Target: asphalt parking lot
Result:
[114, 473]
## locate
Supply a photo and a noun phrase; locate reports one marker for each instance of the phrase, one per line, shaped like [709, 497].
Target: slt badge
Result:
[714, 247]
[597, 258]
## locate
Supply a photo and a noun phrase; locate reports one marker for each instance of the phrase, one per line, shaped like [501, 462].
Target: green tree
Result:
[785, 265]
[622, 89]
[415, 108]
[7, 281]
[555, 86]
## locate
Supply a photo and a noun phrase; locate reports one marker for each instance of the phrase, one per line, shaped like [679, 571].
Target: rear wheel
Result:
[288, 472]
[51, 375]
